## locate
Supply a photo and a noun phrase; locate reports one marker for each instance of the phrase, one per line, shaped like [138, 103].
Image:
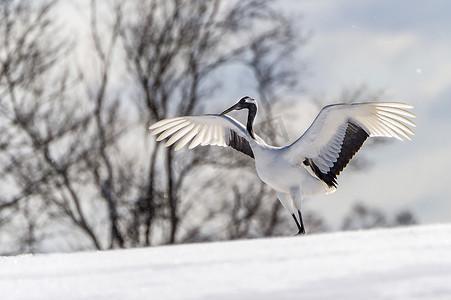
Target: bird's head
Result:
[245, 102]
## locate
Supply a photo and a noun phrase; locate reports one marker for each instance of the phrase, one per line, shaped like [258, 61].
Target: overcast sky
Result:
[404, 48]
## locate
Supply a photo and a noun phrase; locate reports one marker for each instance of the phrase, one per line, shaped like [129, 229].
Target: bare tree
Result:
[364, 217]
[405, 218]
[105, 116]
[74, 150]
[173, 48]
[37, 119]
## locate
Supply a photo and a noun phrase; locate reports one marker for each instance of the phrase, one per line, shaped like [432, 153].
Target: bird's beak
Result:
[236, 106]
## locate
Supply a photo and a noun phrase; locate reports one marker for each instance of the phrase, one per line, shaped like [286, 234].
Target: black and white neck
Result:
[250, 119]
[251, 105]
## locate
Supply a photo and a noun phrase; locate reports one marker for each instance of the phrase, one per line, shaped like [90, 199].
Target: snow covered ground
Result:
[406, 263]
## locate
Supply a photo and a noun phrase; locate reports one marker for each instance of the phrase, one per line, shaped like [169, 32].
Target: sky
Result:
[402, 48]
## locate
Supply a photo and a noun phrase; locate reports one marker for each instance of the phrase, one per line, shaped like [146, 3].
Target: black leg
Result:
[301, 228]
[297, 223]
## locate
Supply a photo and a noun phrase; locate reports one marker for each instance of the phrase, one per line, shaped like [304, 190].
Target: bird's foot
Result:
[300, 232]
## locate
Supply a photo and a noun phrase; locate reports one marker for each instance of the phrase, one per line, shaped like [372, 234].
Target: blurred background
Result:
[81, 81]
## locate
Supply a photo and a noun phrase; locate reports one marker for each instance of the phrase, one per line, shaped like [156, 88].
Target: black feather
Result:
[354, 138]
[239, 143]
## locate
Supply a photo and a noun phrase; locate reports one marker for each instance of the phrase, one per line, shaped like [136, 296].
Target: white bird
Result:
[308, 166]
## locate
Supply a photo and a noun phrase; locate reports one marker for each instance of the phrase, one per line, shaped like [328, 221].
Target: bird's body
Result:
[276, 171]
[308, 166]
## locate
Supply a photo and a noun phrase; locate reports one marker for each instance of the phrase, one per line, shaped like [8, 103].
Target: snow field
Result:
[404, 263]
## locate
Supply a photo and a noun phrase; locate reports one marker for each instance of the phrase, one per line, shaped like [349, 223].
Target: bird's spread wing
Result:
[339, 131]
[203, 130]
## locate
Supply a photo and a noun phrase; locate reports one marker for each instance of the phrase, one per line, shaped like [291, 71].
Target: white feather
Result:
[171, 130]
[164, 122]
[166, 126]
[199, 137]
[178, 135]
[200, 130]
[188, 137]
[377, 119]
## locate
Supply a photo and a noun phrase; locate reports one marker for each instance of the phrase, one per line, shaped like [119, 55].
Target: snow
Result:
[404, 263]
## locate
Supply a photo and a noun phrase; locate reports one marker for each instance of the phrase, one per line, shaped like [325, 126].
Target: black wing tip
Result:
[240, 144]
[354, 138]
[328, 178]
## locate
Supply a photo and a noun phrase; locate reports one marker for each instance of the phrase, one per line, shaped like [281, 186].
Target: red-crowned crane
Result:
[308, 166]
